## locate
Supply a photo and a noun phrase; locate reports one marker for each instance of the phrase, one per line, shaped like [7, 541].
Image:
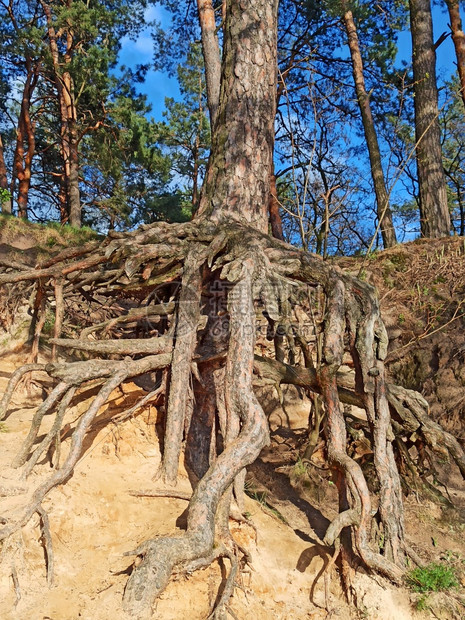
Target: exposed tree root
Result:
[48, 545]
[13, 384]
[409, 410]
[151, 576]
[201, 332]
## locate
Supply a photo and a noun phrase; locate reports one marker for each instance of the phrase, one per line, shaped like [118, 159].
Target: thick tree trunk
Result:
[434, 210]
[212, 59]
[388, 232]
[458, 37]
[237, 184]
[6, 204]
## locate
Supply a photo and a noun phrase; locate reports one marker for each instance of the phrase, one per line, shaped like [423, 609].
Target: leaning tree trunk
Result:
[388, 232]
[434, 210]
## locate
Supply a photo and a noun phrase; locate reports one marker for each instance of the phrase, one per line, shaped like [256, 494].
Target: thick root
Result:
[161, 556]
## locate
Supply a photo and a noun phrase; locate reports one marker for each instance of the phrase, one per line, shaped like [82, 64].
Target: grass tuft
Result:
[434, 577]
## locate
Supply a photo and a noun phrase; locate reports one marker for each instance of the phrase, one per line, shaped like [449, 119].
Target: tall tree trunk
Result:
[212, 59]
[25, 142]
[434, 210]
[237, 184]
[388, 232]
[68, 132]
[458, 37]
[6, 203]
[211, 56]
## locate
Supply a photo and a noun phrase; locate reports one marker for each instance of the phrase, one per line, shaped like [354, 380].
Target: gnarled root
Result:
[354, 496]
[118, 371]
[210, 380]
[160, 557]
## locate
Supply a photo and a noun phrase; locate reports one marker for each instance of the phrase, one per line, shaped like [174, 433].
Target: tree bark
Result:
[276, 223]
[434, 210]
[211, 56]
[68, 133]
[6, 204]
[25, 135]
[237, 184]
[458, 37]
[388, 232]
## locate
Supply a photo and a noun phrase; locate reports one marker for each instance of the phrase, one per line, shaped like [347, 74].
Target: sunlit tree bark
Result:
[458, 36]
[434, 210]
[388, 232]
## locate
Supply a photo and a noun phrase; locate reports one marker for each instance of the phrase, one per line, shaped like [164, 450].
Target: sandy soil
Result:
[94, 521]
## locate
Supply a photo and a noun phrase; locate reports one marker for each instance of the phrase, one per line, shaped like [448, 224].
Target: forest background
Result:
[87, 136]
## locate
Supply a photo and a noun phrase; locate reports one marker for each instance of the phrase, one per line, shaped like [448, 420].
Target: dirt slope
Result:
[94, 520]
[421, 287]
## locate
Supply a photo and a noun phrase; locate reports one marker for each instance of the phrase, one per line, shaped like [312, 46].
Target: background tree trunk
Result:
[388, 232]
[25, 142]
[458, 36]
[69, 141]
[211, 56]
[276, 223]
[434, 210]
[6, 204]
[25, 133]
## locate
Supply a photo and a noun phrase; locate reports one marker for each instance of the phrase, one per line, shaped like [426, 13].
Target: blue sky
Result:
[157, 85]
